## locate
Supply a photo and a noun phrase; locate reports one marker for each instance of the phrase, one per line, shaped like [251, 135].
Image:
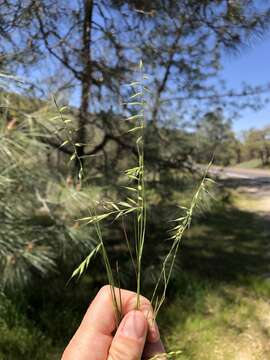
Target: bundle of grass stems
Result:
[135, 205]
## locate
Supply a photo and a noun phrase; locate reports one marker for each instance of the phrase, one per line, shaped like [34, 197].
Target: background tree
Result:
[257, 145]
[96, 44]
[214, 135]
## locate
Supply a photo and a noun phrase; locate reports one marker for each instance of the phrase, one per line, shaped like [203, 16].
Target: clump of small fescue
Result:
[135, 204]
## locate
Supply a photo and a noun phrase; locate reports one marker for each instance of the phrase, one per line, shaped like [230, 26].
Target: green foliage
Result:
[214, 135]
[257, 145]
[37, 235]
[19, 338]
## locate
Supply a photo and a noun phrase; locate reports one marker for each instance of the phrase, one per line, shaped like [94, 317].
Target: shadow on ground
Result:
[228, 244]
[249, 182]
[220, 301]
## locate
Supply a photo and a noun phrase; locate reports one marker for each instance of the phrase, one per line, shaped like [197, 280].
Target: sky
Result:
[250, 65]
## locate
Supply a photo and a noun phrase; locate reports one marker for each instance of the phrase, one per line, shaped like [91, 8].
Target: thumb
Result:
[129, 340]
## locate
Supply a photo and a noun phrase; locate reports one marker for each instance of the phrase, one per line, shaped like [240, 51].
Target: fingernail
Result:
[134, 325]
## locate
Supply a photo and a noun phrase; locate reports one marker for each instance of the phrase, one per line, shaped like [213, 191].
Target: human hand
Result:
[137, 336]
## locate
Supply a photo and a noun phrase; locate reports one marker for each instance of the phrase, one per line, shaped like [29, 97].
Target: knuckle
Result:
[145, 301]
[146, 304]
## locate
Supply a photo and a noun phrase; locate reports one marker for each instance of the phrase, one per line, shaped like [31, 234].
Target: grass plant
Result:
[135, 204]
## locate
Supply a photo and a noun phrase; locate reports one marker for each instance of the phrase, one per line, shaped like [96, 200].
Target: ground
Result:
[226, 313]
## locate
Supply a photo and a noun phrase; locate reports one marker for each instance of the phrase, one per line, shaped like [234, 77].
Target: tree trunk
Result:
[238, 156]
[262, 157]
[86, 80]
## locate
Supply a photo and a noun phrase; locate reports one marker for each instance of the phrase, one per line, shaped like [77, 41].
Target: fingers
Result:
[88, 345]
[129, 301]
[129, 340]
[94, 336]
[107, 324]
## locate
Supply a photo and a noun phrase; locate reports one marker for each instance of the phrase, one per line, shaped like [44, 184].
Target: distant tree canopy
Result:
[257, 145]
[214, 135]
[87, 50]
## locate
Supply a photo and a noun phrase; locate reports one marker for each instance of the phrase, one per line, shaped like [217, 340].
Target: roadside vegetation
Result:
[253, 164]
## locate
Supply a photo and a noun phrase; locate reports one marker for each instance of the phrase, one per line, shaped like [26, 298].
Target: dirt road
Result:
[252, 186]
[235, 172]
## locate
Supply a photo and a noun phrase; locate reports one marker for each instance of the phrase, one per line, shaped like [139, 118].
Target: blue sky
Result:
[250, 65]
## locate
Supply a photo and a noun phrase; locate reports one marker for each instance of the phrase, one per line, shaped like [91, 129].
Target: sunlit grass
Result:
[252, 164]
[252, 202]
[219, 321]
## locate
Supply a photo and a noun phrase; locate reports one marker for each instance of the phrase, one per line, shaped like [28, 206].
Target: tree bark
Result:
[86, 80]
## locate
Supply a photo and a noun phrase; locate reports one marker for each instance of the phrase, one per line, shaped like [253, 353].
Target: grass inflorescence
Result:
[135, 205]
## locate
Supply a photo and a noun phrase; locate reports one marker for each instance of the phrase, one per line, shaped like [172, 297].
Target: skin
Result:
[97, 338]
